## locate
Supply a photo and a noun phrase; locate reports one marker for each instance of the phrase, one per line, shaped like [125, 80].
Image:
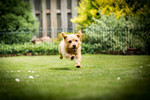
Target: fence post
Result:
[74, 13]
[53, 18]
[44, 25]
[64, 15]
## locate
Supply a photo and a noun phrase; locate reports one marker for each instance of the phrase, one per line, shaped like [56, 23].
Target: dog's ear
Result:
[79, 34]
[63, 35]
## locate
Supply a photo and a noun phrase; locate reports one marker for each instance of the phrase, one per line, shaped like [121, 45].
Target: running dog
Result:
[70, 47]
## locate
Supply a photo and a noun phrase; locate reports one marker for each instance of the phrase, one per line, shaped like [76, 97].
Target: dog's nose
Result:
[74, 46]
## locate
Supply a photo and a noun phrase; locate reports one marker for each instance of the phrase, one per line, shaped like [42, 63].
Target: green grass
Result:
[59, 79]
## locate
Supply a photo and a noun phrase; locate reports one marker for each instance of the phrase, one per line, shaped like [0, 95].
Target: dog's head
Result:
[72, 41]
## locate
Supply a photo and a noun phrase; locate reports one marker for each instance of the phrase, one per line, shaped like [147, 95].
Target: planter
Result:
[1, 55]
[9, 55]
[13, 55]
[28, 54]
[133, 51]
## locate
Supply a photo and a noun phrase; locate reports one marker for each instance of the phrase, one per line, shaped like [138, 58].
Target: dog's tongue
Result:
[74, 49]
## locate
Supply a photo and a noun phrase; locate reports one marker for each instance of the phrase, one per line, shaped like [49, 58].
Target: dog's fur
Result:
[70, 47]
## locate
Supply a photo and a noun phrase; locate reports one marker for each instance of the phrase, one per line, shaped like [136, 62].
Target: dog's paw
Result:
[72, 57]
[78, 66]
[61, 57]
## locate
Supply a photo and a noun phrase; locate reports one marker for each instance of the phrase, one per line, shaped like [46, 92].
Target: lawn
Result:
[101, 77]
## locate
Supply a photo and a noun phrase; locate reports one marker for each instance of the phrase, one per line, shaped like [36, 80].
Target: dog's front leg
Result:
[71, 57]
[78, 60]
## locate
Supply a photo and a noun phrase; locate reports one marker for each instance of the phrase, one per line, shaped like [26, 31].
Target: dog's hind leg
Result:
[60, 52]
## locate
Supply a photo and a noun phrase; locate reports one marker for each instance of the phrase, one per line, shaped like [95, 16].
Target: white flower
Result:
[30, 76]
[12, 71]
[141, 66]
[37, 75]
[118, 78]
[29, 71]
[17, 80]
[32, 71]
[18, 70]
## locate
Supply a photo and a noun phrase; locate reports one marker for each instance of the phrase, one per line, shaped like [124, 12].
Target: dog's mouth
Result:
[74, 49]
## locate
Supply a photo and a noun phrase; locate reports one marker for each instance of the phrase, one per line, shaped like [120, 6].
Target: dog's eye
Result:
[76, 40]
[69, 41]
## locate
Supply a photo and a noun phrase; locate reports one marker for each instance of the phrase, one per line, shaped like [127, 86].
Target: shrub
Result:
[110, 33]
[18, 49]
[42, 49]
[17, 37]
[141, 30]
[91, 48]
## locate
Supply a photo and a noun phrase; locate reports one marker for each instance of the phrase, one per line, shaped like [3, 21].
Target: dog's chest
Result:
[70, 51]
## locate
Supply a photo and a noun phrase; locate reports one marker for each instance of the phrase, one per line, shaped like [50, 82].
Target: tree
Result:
[16, 15]
[89, 9]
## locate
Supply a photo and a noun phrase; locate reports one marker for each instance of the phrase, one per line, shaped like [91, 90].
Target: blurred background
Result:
[112, 26]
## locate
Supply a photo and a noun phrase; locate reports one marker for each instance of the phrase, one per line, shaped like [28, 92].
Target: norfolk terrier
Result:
[70, 47]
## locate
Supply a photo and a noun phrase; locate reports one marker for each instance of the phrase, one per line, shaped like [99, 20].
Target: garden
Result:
[115, 53]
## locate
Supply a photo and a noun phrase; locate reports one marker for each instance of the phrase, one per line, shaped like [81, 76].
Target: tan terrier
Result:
[70, 47]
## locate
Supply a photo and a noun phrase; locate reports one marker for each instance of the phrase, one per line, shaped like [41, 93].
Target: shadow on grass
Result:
[65, 68]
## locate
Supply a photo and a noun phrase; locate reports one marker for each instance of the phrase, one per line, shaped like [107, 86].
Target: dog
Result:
[70, 47]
